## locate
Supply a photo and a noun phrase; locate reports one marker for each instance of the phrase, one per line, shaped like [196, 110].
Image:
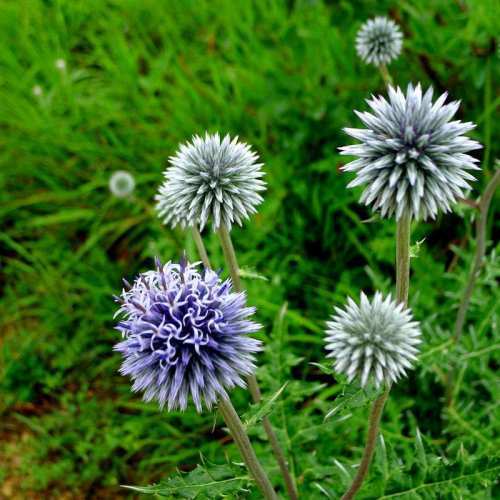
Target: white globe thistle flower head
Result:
[121, 184]
[373, 341]
[212, 179]
[60, 64]
[379, 41]
[412, 156]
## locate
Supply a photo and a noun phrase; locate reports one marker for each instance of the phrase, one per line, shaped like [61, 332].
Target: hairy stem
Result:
[248, 454]
[253, 386]
[385, 74]
[481, 226]
[403, 259]
[402, 287]
[371, 441]
[202, 252]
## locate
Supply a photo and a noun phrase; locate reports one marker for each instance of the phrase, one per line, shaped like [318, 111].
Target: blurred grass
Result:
[142, 76]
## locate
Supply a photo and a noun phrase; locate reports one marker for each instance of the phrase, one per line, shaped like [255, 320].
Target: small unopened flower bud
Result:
[379, 41]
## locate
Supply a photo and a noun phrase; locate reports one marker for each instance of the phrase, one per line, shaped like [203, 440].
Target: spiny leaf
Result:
[204, 482]
[260, 410]
[444, 478]
[251, 274]
[352, 398]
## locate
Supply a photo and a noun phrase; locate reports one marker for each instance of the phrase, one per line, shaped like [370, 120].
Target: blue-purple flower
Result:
[186, 335]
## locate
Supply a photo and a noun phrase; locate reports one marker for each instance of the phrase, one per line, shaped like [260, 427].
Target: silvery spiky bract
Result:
[374, 340]
[379, 41]
[412, 158]
[186, 334]
[213, 179]
[121, 183]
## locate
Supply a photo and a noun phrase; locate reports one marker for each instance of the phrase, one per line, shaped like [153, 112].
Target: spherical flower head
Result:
[374, 340]
[211, 179]
[379, 41]
[186, 334]
[411, 156]
[60, 64]
[121, 184]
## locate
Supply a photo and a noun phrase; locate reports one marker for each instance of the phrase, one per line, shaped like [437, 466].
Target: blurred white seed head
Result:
[411, 156]
[37, 90]
[211, 179]
[374, 340]
[379, 41]
[121, 184]
[60, 64]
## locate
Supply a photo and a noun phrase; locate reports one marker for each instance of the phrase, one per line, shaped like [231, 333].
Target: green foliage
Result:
[142, 76]
[204, 482]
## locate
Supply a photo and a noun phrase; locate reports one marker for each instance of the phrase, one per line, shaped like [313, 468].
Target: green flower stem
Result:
[385, 74]
[248, 454]
[371, 440]
[481, 226]
[402, 287]
[253, 386]
[198, 240]
[403, 259]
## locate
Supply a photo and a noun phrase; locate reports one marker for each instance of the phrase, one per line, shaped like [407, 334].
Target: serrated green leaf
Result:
[248, 273]
[212, 481]
[260, 410]
[352, 398]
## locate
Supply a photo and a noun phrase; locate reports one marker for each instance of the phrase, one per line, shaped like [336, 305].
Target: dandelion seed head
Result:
[212, 179]
[121, 184]
[373, 341]
[186, 335]
[412, 156]
[37, 90]
[379, 41]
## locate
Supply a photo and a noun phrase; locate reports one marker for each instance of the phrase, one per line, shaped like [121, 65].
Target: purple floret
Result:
[185, 334]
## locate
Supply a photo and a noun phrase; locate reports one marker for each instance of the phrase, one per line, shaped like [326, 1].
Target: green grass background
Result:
[142, 76]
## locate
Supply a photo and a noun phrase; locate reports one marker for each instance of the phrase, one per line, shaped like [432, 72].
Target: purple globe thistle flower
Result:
[185, 334]
[412, 158]
[213, 179]
[379, 41]
[376, 339]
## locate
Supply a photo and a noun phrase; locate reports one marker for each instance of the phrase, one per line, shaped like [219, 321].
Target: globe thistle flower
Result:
[210, 178]
[37, 90]
[373, 340]
[412, 157]
[121, 184]
[379, 41]
[186, 334]
[60, 64]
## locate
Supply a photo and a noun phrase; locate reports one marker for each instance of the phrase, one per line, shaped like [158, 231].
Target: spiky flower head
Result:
[121, 183]
[374, 340]
[186, 334]
[412, 158]
[213, 179]
[379, 41]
